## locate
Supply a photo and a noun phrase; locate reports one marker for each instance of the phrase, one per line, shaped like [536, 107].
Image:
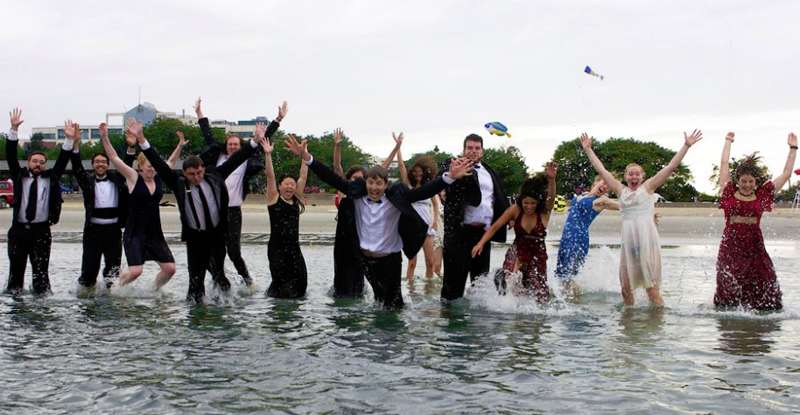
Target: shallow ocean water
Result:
[134, 351]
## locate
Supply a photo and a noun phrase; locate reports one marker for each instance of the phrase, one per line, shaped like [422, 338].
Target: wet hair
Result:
[428, 166]
[377, 172]
[534, 187]
[751, 165]
[96, 155]
[33, 153]
[353, 170]
[294, 196]
[473, 137]
[192, 162]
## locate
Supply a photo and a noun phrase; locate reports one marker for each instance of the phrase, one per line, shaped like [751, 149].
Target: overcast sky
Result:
[436, 70]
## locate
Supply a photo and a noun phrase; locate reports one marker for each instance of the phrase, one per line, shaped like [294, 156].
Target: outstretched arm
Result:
[787, 168]
[551, 170]
[12, 142]
[125, 170]
[398, 141]
[661, 177]
[337, 152]
[612, 182]
[269, 172]
[401, 165]
[166, 174]
[602, 203]
[506, 217]
[322, 171]
[724, 164]
[176, 154]
[303, 177]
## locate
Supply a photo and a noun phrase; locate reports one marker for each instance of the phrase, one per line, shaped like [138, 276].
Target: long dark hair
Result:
[428, 166]
[751, 165]
[534, 187]
[294, 196]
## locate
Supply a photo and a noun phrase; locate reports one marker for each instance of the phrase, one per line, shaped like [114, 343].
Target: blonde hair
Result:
[140, 159]
[631, 165]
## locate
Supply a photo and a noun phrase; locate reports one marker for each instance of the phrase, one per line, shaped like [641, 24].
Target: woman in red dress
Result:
[528, 253]
[745, 274]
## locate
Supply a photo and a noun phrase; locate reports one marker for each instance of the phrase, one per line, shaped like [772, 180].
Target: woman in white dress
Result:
[640, 257]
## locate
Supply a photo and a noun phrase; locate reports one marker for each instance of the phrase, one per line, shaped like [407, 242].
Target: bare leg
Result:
[654, 293]
[625, 284]
[130, 275]
[427, 248]
[164, 275]
[412, 266]
[437, 261]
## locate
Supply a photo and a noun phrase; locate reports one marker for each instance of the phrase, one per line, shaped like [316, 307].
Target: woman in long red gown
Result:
[745, 274]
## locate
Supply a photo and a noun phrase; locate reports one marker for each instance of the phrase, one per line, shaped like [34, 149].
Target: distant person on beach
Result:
[284, 196]
[385, 222]
[528, 253]
[745, 274]
[143, 238]
[37, 206]
[640, 254]
[473, 203]
[105, 201]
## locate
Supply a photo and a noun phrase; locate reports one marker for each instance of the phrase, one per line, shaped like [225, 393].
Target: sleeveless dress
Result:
[745, 274]
[286, 262]
[640, 259]
[530, 251]
[574, 245]
[143, 238]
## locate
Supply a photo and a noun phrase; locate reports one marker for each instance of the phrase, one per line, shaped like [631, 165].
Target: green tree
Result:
[575, 172]
[161, 135]
[509, 164]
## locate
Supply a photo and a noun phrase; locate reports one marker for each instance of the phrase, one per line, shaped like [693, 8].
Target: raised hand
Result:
[282, 110]
[261, 131]
[398, 140]
[337, 136]
[551, 169]
[135, 129]
[692, 138]
[730, 136]
[586, 141]
[16, 118]
[103, 127]
[460, 167]
[72, 130]
[198, 109]
[266, 146]
[792, 139]
[297, 148]
[182, 141]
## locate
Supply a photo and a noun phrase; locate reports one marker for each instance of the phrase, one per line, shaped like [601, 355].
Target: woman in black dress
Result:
[143, 238]
[284, 204]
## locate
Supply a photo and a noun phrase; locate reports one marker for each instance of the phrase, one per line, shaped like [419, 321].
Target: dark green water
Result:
[133, 351]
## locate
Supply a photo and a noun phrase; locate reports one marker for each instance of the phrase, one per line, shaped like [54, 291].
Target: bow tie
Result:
[477, 166]
[98, 179]
[379, 201]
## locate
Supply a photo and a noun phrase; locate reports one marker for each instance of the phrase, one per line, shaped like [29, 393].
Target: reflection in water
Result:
[640, 325]
[747, 336]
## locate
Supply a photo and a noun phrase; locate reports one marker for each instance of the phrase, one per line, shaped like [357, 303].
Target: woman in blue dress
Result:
[574, 245]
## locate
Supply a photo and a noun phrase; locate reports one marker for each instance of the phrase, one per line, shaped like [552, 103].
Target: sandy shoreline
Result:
[677, 223]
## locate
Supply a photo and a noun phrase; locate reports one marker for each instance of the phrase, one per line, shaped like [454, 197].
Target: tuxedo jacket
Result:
[54, 175]
[467, 192]
[214, 149]
[413, 230]
[86, 180]
[214, 177]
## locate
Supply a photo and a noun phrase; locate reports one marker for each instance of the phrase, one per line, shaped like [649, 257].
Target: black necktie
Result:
[206, 211]
[190, 201]
[33, 196]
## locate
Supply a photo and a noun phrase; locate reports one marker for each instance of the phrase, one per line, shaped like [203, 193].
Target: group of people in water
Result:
[451, 212]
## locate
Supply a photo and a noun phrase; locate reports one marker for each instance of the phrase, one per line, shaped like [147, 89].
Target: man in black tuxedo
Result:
[471, 205]
[37, 205]
[202, 199]
[385, 222]
[238, 182]
[105, 200]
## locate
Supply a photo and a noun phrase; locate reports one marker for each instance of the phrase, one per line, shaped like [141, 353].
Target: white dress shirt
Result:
[376, 225]
[43, 190]
[484, 212]
[105, 196]
[234, 182]
[193, 196]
